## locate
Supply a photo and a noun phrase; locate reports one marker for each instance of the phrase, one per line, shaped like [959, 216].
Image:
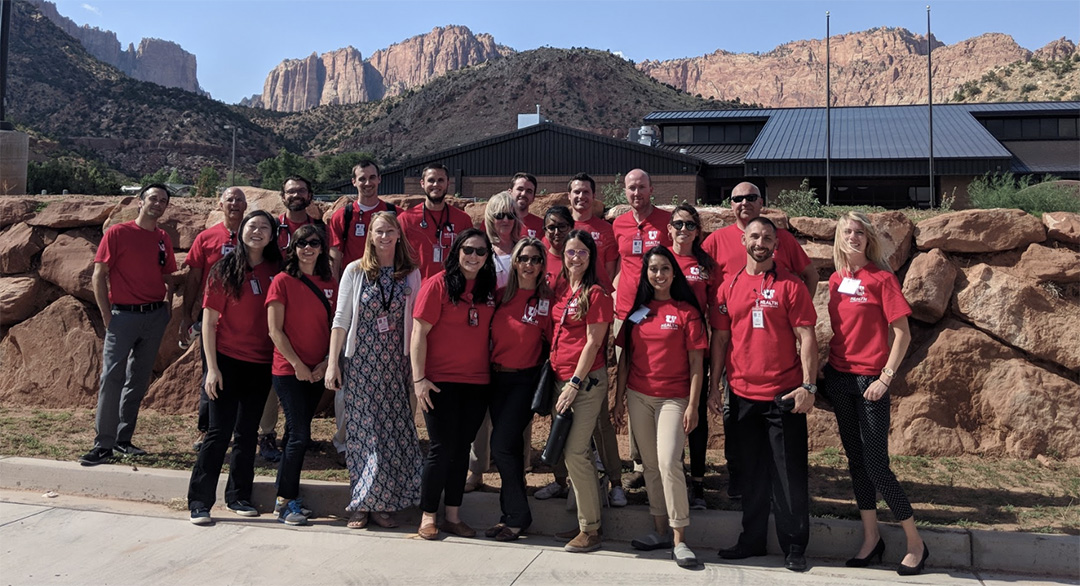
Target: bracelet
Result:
[419, 380]
[883, 382]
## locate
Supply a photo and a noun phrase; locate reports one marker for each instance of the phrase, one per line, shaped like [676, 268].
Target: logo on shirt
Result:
[860, 295]
[768, 293]
[530, 315]
[532, 233]
[669, 323]
[722, 308]
[653, 234]
[329, 293]
[695, 271]
[595, 235]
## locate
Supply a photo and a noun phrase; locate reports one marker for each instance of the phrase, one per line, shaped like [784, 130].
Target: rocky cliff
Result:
[161, 62]
[344, 77]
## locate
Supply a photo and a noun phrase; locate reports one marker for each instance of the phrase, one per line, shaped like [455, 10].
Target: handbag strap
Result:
[562, 319]
[322, 297]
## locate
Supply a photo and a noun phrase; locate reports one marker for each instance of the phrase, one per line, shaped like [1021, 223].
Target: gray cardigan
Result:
[352, 284]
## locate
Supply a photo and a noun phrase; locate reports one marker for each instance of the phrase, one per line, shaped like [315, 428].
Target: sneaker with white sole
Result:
[128, 449]
[292, 514]
[550, 491]
[201, 517]
[651, 541]
[617, 497]
[243, 508]
[280, 503]
[684, 556]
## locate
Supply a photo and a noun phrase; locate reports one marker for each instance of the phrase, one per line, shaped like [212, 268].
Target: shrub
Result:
[802, 202]
[1024, 193]
[612, 193]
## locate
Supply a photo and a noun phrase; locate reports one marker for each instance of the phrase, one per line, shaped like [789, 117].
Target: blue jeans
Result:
[298, 399]
[131, 347]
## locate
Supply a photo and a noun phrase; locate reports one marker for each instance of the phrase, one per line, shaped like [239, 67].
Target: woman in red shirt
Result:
[451, 371]
[867, 309]
[660, 376]
[558, 221]
[519, 330]
[299, 308]
[236, 343]
[582, 313]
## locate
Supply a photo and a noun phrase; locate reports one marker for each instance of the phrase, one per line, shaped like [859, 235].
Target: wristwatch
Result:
[810, 387]
[575, 380]
[888, 371]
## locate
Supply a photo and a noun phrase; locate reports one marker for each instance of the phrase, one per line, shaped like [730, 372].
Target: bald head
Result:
[746, 203]
[234, 203]
[638, 189]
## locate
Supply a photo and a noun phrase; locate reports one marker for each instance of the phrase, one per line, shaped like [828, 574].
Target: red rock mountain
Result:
[879, 66]
[344, 77]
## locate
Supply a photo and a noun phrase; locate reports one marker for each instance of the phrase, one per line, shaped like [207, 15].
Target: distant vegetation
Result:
[75, 175]
[1034, 80]
[1024, 193]
[325, 171]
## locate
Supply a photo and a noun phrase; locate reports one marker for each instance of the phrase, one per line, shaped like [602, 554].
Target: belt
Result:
[143, 308]
[496, 367]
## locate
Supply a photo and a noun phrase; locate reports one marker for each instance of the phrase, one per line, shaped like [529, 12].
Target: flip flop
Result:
[359, 520]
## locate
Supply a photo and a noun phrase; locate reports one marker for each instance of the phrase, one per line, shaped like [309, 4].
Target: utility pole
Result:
[232, 165]
[828, 118]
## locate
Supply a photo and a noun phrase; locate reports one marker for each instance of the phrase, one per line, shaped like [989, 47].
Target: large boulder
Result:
[823, 327]
[169, 350]
[962, 392]
[177, 390]
[1062, 226]
[1021, 313]
[73, 213]
[69, 262]
[979, 231]
[476, 212]
[541, 204]
[16, 209]
[19, 244]
[54, 358]
[1044, 263]
[816, 228]
[821, 254]
[928, 285]
[22, 297]
[895, 232]
[712, 219]
[181, 222]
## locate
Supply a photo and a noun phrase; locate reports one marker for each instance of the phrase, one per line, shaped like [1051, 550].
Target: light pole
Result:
[232, 165]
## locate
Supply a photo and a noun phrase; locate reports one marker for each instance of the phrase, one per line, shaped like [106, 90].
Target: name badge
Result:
[256, 288]
[227, 248]
[849, 286]
[383, 323]
[638, 315]
[758, 317]
[638, 245]
[436, 254]
[360, 230]
[543, 307]
[474, 317]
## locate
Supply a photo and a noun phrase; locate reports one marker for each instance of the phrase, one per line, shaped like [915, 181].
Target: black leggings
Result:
[451, 424]
[864, 431]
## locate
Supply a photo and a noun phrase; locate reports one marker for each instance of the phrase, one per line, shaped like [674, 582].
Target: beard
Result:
[436, 199]
[759, 254]
[296, 204]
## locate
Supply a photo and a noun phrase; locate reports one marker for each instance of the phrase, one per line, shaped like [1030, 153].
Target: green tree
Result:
[175, 177]
[76, 176]
[332, 169]
[274, 171]
[159, 176]
[207, 184]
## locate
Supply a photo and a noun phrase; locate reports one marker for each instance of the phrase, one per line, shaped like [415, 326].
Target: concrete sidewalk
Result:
[36, 528]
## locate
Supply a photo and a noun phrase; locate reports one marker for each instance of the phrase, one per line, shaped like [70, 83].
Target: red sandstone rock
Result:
[21, 297]
[823, 328]
[979, 231]
[541, 204]
[476, 212]
[19, 244]
[15, 209]
[1020, 313]
[928, 285]
[69, 262]
[816, 228]
[1044, 263]
[177, 390]
[1062, 226]
[895, 232]
[73, 212]
[181, 222]
[712, 219]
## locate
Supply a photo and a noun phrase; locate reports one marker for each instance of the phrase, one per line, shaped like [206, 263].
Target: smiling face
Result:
[153, 203]
[308, 250]
[234, 203]
[853, 236]
[760, 241]
[746, 210]
[638, 189]
[581, 197]
[471, 263]
[256, 233]
[576, 257]
[684, 236]
[530, 265]
[659, 273]
[434, 182]
[296, 195]
[366, 181]
[556, 230]
[385, 236]
[523, 192]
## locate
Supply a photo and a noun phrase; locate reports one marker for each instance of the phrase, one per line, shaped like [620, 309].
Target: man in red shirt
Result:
[760, 313]
[582, 190]
[431, 227]
[523, 190]
[132, 292]
[349, 224]
[296, 194]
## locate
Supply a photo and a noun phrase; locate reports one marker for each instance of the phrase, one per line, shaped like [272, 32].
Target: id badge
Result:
[361, 229]
[758, 317]
[256, 288]
[227, 248]
[474, 317]
[849, 286]
[640, 314]
[436, 254]
[543, 307]
[638, 246]
[383, 323]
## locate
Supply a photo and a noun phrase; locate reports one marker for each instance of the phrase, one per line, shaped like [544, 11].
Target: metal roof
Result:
[1060, 157]
[712, 154]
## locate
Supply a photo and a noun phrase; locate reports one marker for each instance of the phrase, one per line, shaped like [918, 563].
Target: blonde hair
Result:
[543, 291]
[501, 202]
[403, 252]
[841, 251]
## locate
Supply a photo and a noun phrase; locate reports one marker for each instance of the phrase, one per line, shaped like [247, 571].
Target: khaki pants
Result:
[635, 455]
[658, 422]
[578, 451]
[270, 415]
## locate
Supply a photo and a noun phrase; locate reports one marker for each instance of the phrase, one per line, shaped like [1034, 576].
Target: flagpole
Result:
[930, 99]
[828, 118]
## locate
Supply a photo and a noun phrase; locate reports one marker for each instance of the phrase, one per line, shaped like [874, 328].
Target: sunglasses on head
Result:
[739, 198]
[306, 242]
[503, 216]
[530, 259]
[687, 224]
[477, 250]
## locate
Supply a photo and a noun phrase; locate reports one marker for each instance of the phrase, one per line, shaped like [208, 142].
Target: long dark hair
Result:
[322, 262]
[680, 289]
[704, 261]
[231, 271]
[484, 286]
[589, 279]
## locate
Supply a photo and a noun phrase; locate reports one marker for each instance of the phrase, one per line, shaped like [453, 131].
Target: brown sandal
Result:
[507, 534]
[359, 520]
[384, 520]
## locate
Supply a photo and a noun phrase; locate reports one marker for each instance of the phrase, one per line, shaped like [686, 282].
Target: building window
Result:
[1067, 127]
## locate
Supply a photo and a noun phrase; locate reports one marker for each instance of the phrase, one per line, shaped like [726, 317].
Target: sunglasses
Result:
[312, 242]
[577, 252]
[680, 224]
[739, 198]
[477, 250]
[557, 228]
[503, 216]
[530, 259]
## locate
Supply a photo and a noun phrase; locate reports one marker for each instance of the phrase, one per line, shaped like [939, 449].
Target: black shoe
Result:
[795, 560]
[740, 552]
[96, 456]
[912, 571]
[879, 551]
[633, 480]
[128, 449]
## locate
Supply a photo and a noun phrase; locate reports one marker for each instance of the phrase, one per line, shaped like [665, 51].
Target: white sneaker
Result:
[617, 497]
[552, 490]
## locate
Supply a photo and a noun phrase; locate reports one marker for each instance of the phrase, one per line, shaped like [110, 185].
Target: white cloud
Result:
[93, 9]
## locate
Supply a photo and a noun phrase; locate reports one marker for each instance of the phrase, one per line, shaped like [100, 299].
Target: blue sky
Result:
[237, 42]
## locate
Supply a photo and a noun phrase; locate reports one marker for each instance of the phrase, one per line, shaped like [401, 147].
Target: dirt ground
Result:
[1001, 494]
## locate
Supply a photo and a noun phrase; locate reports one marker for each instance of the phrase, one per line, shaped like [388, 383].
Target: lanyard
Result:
[757, 292]
[385, 299]
[444, 222]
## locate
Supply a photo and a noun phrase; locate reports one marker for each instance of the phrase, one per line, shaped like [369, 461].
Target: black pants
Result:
[452, 425]
[772, 448]
[731, 454]
[511, 411]
[698, 440]
[298, 400]
[864, 430]
[238, 408]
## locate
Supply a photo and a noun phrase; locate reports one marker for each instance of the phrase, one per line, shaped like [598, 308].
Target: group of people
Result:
[395, 310]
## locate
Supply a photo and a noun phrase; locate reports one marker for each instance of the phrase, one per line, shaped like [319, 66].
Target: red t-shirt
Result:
[352, 246]
[860, 322]
[209, 246]
[306, 324]
[703, 283]
[553, 268]
[606, 248]
[457, 352]
[431, 234]
[287, 228]
[134, 257]
[651, 232]
[726, 247]
[242, 330]
[519, 329]
[570, 333]
[659, 364]
[763, 362]
[533, 226]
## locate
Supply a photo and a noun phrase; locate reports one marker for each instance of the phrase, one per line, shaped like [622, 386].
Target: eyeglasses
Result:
[477, 250]
[530, 259]
[551, 229]
[301, 191]
[577, 252]
[312, 242]
[680, 224]
[750, 198]
[503, 216]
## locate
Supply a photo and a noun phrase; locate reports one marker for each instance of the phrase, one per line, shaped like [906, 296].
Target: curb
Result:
[1014, 552]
